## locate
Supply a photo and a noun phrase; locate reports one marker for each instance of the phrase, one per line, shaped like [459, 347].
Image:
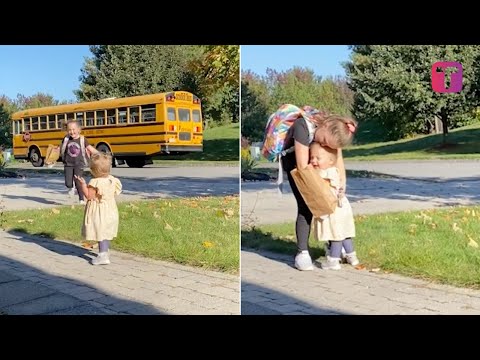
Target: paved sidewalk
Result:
[44, 276]
[271, 286]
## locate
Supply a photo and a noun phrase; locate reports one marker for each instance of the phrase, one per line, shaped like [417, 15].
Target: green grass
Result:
[462, 143]
[201, 231]
[436, 245]
[219, 144]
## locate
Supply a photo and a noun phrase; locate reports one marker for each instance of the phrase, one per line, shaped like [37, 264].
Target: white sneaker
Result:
[303, 261]
[82, 202]
[71, 192]
[352, 258]
[102, 259]
[331, 264]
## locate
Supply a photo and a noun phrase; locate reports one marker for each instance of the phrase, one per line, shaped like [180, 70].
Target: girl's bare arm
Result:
[301, 155]
[89, 192]
[92, 150]
[341, 171]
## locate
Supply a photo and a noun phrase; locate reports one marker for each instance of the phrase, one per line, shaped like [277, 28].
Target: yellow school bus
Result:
[132, 129]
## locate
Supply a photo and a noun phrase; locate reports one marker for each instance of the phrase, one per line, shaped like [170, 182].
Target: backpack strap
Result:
[64, 147]
[83, 149]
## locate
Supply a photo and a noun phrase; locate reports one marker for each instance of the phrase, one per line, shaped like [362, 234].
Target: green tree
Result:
[254, 106]
[216, 74]
[262, 95]
[392, 85]
[128, 70]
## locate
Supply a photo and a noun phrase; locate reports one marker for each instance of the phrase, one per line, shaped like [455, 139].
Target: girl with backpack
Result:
[74, 152]
[333, 131]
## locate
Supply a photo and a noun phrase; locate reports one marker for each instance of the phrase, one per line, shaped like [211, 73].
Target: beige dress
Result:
[101, 215]
[339, 225]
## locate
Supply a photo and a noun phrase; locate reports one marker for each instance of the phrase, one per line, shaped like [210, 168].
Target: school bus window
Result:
[35, 123]
[43, 123]
[184, 114]
[90, 118]
[27, 124]
[80, 118]
[70, 116]
[60, 121]
[134, 116]
[51, 121]
[196, 115]
[16, 127]
[100, 117]
[111, 116]
[122, 115]
[148, 113]
[171, 114]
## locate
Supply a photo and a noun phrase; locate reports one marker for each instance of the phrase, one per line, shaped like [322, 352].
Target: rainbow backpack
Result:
[277, 128]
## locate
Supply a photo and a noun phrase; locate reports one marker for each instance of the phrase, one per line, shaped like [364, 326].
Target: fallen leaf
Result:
[289, 237]
[168, 226]
[433, 225]
[207, 244]
[56, 211]
[87, 245]
[455, 227]
[228, 212]
[375, 270]
[360, 267]
[155, 215]
[472, 242]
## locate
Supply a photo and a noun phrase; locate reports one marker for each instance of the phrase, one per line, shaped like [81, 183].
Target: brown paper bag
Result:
[315, 191]
[52, 155]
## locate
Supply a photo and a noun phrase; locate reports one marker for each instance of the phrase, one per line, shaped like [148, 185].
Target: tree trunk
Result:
[444, 118]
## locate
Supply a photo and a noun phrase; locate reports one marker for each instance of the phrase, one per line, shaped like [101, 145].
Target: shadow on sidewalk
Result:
[47, 241]
[33, 198]
[258, 241]
[272, 302]
[26, 290]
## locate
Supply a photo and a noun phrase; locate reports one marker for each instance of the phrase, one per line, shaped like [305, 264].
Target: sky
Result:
[324, 60]
[50, 69]
[55, 69]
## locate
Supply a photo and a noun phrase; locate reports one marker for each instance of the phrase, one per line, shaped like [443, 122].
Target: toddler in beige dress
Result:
[338, 228]
[100, 222]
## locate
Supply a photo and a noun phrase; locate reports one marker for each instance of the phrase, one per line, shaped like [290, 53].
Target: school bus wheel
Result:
[135, 162]
[35, 157]
[104, 148]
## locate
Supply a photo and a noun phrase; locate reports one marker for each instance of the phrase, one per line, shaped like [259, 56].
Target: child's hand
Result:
[80, 179]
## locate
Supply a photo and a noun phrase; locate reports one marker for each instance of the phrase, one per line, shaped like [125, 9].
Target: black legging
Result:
[304, 217]
[70, 171]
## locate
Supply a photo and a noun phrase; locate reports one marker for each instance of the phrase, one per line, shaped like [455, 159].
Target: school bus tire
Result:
[135, 162]
[106, 149]
[35, 157]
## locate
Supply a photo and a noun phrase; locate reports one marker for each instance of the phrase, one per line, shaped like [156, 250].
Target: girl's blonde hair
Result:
[341, 128]
[100, 164]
